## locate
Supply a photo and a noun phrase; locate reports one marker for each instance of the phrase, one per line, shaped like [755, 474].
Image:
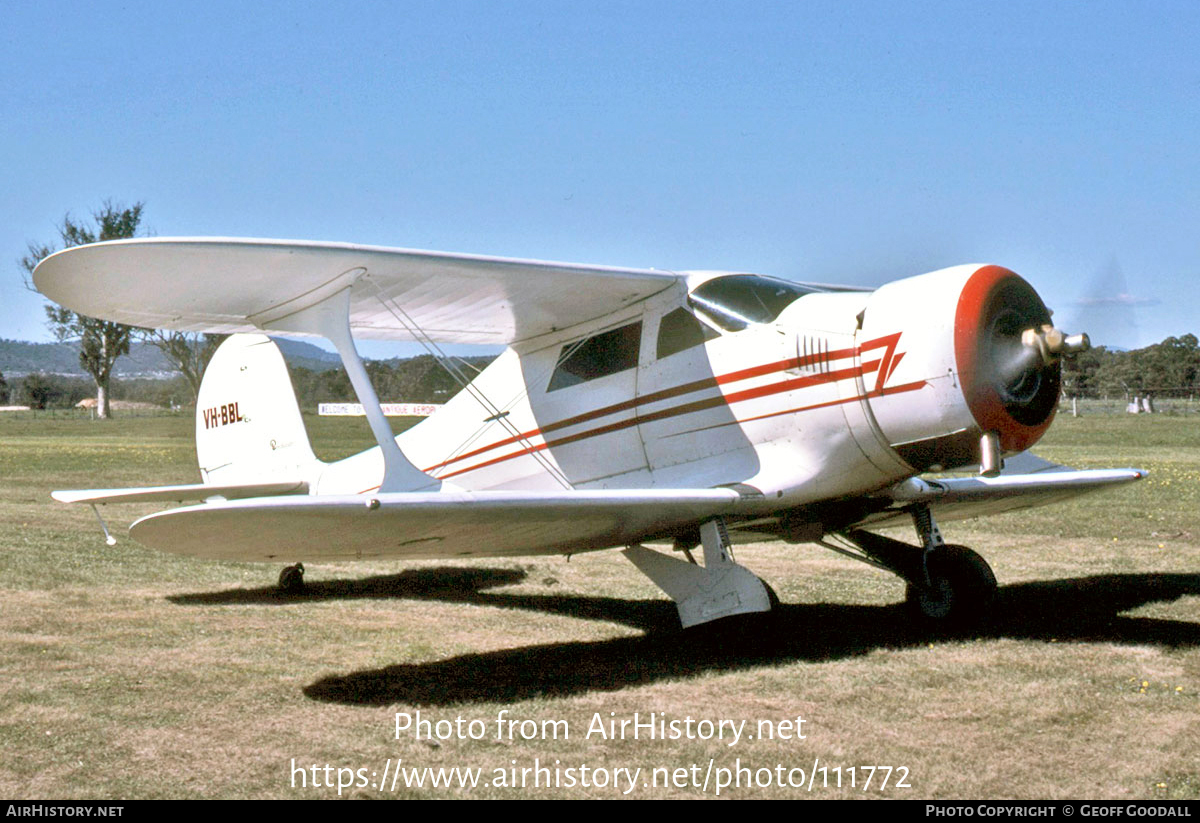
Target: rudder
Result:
[248, 424]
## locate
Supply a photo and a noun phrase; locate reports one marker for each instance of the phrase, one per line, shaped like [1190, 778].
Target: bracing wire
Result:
[495, 413]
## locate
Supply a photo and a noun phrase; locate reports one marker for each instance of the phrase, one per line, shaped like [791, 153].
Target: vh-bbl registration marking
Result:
[222, 416]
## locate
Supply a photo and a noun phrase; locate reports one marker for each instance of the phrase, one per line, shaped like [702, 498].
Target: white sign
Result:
[389, 409]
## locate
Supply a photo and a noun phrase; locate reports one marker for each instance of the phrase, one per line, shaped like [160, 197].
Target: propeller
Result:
[1024, 351]
[1105, 306]
[1036, 348]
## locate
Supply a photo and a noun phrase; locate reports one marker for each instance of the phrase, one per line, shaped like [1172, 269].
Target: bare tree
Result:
[101, 342]
[188, 353]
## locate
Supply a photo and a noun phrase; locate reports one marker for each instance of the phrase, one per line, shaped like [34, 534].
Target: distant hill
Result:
[299, 354]
[18, 358]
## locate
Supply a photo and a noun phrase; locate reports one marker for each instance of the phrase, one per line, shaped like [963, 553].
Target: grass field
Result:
[133, 674]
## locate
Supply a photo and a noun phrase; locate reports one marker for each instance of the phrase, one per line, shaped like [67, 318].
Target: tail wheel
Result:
[962, 589]
[291, 579]
[772, 596]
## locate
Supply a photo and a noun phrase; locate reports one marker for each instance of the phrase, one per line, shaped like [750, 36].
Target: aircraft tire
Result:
[291, 579]
[963, 591]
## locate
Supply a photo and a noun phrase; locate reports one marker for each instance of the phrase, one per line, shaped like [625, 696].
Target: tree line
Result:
[1167, 369]
[413, 380]
[421, 379]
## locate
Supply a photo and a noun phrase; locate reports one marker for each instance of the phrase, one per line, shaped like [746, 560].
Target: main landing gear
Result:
[961, 590]
[948, 586]
[719, 589]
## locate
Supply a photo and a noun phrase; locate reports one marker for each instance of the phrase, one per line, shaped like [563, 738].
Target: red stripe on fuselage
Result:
[888, 342]
[884, 366]
[664, 394]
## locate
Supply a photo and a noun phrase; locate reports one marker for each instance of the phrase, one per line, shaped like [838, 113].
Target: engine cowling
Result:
[977, 354]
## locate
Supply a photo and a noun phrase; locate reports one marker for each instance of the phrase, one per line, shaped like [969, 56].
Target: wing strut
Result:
[108, 538]
[330, 318]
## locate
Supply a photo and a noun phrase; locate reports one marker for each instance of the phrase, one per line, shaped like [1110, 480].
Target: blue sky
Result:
[837, 142]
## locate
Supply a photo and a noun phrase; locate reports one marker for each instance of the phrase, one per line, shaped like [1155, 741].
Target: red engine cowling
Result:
[970, 340]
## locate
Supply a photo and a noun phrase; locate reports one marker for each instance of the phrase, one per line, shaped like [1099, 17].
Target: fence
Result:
[1177, 406]
[89, 414]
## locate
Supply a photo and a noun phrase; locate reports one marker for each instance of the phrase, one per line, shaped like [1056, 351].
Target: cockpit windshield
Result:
[735, 301]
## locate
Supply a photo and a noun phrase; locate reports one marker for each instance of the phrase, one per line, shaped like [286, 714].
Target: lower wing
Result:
[962, 498]
[429, 525]
[299, 526]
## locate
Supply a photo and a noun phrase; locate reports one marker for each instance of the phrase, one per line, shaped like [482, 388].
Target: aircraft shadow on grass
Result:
[1085, 609]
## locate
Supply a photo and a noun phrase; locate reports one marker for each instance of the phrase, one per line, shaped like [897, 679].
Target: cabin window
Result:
[736, 301]
[598, 356]
[680, 330]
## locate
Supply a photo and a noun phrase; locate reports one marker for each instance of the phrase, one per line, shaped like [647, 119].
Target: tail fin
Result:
[248, 424]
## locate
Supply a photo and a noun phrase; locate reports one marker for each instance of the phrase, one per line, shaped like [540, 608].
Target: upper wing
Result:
[233, 285]
[420, 524]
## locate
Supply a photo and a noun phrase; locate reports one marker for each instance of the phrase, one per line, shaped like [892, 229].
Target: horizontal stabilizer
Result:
[429, 524]
[180, 494]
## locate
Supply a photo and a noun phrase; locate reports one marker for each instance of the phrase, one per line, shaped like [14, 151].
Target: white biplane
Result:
[630, 407]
